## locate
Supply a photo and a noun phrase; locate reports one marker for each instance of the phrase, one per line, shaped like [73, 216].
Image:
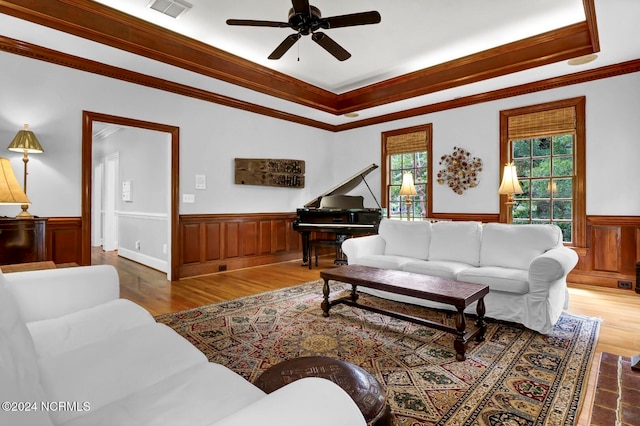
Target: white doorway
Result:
[110, 222]
[97, 208]
[163, 214]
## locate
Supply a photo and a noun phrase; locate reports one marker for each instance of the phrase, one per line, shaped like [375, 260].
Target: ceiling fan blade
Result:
[284, 46]
[362, 18]
[300, 6]
[331, 46]
[252, 23]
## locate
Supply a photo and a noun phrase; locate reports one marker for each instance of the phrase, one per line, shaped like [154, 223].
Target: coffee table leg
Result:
[325, 305]
[480, 310]
[459, 343]
[354, 293]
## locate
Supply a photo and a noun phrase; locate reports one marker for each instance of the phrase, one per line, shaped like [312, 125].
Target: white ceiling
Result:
[413, 35]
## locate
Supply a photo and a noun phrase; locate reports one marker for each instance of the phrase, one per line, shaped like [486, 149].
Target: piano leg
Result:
[306, 254]
[340, 257]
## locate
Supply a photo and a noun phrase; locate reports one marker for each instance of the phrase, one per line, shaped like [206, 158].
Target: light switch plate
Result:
[201, 182]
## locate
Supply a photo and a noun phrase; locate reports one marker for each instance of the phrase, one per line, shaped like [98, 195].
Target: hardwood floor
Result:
[618, 309]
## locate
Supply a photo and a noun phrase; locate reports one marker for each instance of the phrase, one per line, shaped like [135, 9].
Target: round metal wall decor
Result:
[460, 170]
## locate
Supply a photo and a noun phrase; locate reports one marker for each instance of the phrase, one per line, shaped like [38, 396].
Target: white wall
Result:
[613, 146]
[51, 99]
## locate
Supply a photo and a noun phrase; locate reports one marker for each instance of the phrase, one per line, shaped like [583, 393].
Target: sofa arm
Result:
[552, 265]
[311, 401]
[52, 293]
[355, 248]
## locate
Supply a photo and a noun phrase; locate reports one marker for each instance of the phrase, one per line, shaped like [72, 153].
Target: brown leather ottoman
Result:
[363, 388]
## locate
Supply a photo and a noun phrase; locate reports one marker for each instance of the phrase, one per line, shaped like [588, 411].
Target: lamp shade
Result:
[408, 188]
[510, 184]
[27, 141]
[10, 191]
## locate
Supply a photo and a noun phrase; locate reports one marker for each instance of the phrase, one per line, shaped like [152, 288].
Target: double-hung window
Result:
[407, 151]
[546, 144]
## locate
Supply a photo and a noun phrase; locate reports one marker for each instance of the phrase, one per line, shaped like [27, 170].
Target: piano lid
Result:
[345, 186]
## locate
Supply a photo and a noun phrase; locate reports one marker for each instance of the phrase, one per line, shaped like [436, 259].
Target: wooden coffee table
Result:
[457, 293]
[362, 387]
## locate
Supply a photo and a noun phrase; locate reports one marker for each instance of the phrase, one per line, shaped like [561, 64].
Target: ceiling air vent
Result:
[173, 8]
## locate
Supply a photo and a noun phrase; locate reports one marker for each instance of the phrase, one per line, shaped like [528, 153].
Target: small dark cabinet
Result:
[22, 240]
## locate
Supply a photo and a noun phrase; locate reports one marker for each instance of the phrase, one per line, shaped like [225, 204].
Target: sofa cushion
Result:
[69, 332]
[200, 395]
[382, 261]
[116, 367]
[498, 279]
[456, 242]
[408, 238]
[436, 268]
[515, 246]
[19, 374]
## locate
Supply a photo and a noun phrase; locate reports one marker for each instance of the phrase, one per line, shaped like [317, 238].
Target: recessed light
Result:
[582, 59]
[352, 115]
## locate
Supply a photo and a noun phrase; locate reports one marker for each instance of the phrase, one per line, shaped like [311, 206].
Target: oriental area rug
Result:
[515, 377]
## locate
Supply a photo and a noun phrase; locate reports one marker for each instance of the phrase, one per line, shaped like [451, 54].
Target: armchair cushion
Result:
[87, 326]
[19, 374]
[116, 367]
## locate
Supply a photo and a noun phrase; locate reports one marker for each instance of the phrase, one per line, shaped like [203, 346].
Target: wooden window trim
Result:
[428, 128]
[579, 194]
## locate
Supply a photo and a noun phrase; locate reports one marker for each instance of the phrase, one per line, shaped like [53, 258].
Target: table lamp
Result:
[509, 186]
[27, 143]
[10, 191]
[408, 189]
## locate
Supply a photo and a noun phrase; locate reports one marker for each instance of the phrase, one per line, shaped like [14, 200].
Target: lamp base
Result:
[408, 203]
[24, 214]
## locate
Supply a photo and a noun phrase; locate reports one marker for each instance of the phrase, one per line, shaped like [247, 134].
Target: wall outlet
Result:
[164, 249]
[222, 267]
[624, 284]
[188, 198]
[138, 245]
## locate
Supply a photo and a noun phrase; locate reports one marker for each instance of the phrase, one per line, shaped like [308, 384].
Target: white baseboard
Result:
[152, 262]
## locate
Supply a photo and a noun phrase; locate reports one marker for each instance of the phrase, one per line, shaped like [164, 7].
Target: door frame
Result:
[88, 118]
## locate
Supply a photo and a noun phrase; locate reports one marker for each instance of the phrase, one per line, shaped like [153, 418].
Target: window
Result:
[546, 144]
[407, 150]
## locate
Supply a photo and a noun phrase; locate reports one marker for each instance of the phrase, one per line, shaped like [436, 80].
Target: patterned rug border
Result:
[457, 414]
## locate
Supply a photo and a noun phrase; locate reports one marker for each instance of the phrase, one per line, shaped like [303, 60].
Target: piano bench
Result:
[314, 245]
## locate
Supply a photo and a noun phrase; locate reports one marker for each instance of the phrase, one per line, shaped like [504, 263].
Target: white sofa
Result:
[73, 353]
[525, 266]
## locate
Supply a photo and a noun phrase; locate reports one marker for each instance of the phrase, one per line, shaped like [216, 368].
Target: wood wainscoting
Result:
[214, 242]
[211, 242]
[613, 249]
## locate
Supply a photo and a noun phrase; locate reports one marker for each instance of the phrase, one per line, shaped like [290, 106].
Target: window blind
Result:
[407, 142]
[551, 122]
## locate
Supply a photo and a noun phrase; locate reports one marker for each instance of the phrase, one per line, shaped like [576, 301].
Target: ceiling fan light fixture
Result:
[306, 19]
[172, 8]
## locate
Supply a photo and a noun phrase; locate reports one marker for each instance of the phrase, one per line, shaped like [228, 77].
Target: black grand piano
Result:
[338, 214]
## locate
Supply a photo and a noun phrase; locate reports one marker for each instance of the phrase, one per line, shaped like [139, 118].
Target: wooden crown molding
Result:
[48, 55]
[108, 26]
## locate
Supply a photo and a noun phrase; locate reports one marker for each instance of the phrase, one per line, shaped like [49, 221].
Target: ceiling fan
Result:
[306, 19]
